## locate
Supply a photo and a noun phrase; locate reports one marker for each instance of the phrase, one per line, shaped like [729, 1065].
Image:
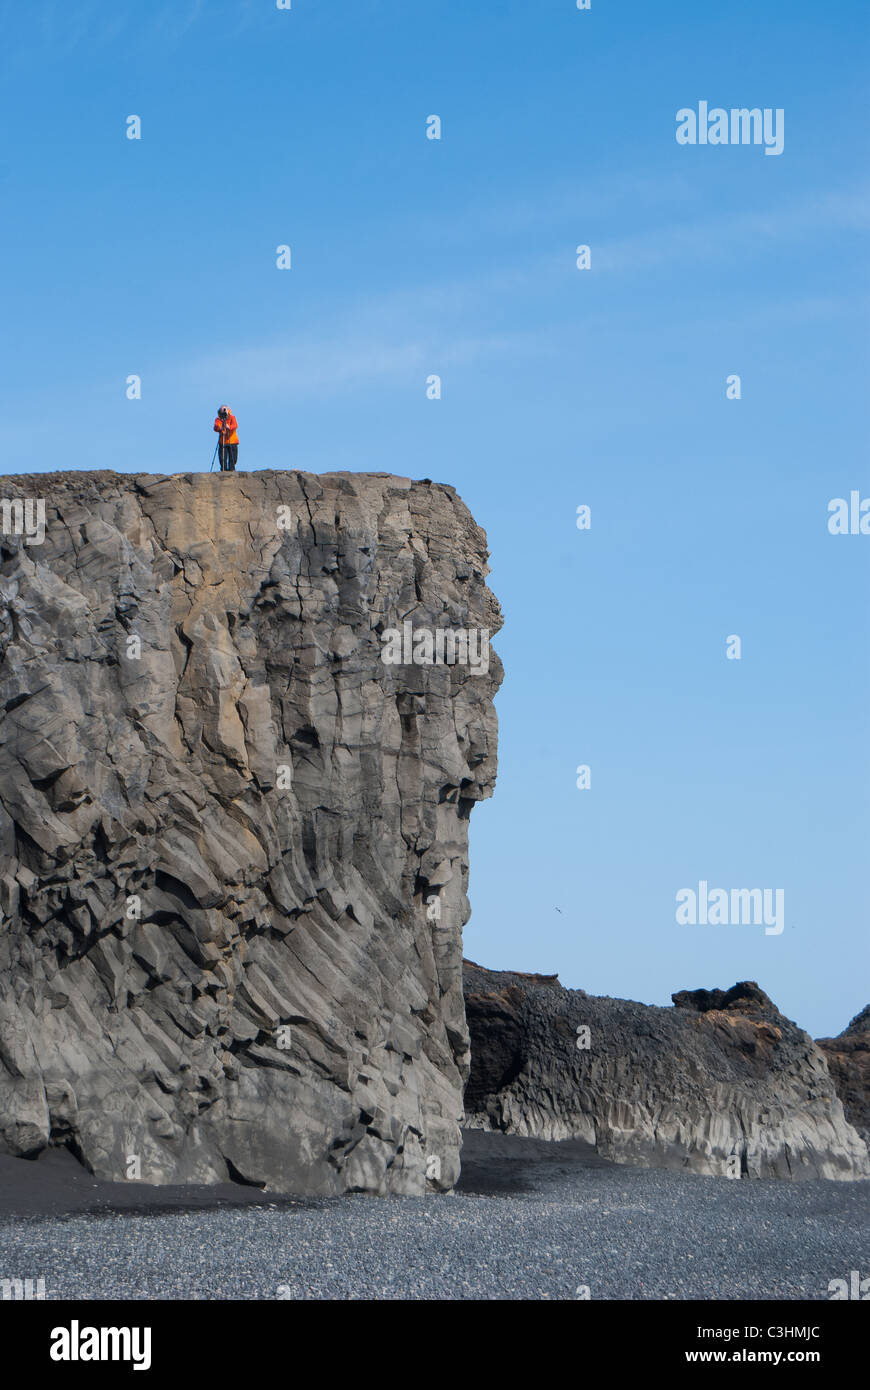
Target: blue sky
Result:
[560, 387]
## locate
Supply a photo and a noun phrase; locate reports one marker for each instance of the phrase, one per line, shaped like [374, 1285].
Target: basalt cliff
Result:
[722, 1083]
[233, 839]
[848, 1057]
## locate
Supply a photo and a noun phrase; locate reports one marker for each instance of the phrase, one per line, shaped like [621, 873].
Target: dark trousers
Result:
[229, 457]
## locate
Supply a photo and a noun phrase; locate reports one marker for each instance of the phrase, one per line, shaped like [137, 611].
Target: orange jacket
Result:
[227, 429]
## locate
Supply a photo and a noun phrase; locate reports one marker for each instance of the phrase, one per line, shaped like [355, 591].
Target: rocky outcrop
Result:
[233, 837]
[848, 1057]
[722, 1083]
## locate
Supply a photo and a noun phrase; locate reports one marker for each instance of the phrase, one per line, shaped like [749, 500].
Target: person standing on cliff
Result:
[227, 426]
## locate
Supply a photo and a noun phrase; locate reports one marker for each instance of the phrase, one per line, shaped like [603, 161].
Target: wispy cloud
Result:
[559, 204]
[726, 237]
[347, 359]
[413, 331]
[660, 239]
[55, 29]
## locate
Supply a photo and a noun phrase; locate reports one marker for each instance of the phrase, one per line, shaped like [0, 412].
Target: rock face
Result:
[722, 1083]
[233, 839]
[848, 1057]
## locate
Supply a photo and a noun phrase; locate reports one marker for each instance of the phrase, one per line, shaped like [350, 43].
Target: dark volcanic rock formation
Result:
[848, 1058]
[720, 1083]
[233, 841]
[743, 998]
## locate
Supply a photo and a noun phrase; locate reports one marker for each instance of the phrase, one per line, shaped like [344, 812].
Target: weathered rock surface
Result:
[848, 1057]
[223, 816]
[720, 1083]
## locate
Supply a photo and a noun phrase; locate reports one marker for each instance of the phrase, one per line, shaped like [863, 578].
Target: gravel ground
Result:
[531, 1220]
